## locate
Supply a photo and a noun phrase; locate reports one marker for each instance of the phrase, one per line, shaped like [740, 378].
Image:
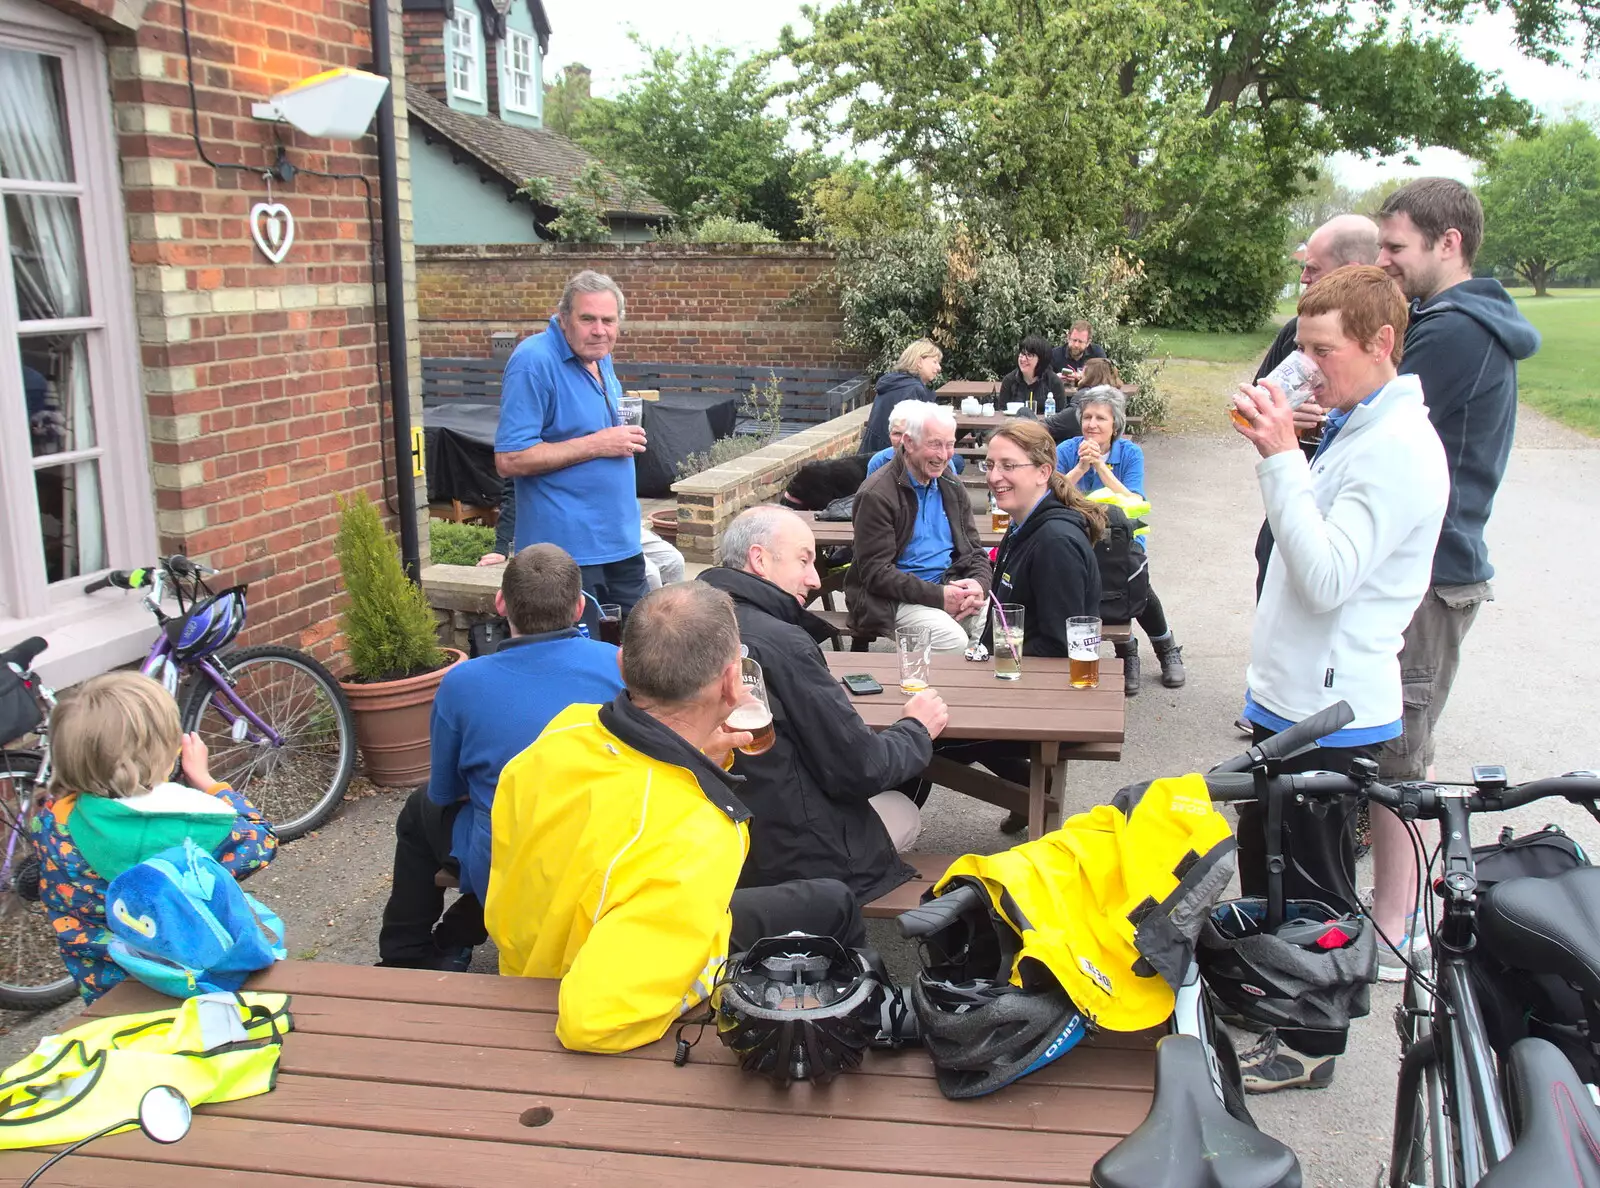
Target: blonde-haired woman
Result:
[909, 380]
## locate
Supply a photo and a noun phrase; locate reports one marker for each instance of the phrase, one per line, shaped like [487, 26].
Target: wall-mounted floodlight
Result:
[337, 103]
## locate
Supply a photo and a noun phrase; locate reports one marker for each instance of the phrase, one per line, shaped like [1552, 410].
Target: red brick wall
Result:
[732, 304]
[424, 38]
[260, 379]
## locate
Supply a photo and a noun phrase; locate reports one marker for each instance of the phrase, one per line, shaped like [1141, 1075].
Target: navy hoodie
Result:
[892, 388]
[1464, 345]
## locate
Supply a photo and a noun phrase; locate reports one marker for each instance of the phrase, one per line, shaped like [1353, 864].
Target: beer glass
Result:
[611, 623]
[915, 645]
[753, 713]
[1006, 621]
[630, 410]
[999, 520]
[1299, 377]
[1083, 651]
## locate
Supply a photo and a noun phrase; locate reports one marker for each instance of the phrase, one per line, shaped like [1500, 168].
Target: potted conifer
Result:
[395, 661]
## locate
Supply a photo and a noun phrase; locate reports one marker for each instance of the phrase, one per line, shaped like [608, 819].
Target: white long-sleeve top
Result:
[1354, 533]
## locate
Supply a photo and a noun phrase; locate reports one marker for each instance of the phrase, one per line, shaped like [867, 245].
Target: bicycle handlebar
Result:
[1299, 737]
[137, 579]
[1409, 800]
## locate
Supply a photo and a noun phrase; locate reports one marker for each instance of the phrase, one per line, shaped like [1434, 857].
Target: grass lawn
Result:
[1563, 379]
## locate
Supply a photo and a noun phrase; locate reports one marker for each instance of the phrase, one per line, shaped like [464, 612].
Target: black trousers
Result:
[1319, 841]
[621, 582]
[1153, 618]
[822, 907]
[413, 934]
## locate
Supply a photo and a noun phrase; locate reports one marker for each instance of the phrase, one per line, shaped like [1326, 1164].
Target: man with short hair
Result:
[901, 415]
[918, 559]
[1464, 343]
[1355, 528]
[1068, 359]
[562, 439]
[818, 794]
[487, 710]
[619, 837]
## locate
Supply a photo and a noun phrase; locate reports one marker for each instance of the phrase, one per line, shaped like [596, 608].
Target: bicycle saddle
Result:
[1557, 1125]
[1189, 1140]
[1547, 925]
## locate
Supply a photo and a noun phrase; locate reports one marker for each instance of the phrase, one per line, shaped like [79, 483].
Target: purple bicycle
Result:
[275, 721]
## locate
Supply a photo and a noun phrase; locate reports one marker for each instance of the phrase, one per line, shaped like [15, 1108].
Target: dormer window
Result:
[521, 91]
[466, 52]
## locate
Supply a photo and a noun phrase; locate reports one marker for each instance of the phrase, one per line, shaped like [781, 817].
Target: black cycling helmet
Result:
[1311, 974]
[982, 1031]
[798, 1007]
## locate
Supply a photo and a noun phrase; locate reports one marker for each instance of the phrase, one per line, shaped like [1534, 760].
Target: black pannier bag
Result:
[19, 709]
[1124, 569]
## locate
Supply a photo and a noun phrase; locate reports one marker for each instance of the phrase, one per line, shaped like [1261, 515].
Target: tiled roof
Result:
[516, 153]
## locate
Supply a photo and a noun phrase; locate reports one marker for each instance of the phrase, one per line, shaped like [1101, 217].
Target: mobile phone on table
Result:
[861, 684]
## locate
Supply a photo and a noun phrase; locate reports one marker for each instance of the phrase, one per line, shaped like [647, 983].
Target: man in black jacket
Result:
[818, 795]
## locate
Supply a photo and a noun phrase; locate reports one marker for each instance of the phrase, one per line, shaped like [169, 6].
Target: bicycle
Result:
[1453, 1126]
[278, 727]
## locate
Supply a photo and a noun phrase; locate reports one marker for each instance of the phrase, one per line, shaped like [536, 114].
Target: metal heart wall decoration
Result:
[272, 226]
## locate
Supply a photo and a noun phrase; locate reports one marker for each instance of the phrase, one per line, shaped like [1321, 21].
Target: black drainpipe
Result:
[394, 299]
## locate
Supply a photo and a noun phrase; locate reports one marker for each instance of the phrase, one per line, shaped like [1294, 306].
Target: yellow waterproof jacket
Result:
[1109, 905]
[1135, 506]
[212, 1047]
[616, 849]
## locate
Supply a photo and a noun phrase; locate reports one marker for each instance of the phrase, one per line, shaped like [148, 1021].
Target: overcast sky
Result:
[601, 43]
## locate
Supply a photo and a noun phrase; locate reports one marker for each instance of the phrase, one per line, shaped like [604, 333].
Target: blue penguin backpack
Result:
[184, 926]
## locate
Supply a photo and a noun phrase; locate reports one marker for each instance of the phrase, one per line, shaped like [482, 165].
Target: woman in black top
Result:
[1033, 380]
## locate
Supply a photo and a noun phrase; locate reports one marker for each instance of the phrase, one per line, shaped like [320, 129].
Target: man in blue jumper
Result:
[562, 441]
[487, 711]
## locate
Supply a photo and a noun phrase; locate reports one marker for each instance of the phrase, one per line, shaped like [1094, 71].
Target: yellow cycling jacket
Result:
[213, 1047]
[616, 850]
[1136, 507]
[1110, 904]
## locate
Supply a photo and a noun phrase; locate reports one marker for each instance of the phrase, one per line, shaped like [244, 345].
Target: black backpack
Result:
[1124, 569]
[1517, 1004]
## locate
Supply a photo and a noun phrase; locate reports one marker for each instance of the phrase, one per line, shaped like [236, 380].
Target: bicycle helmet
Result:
[210, 625]
[982, 1032]
[798, 1007]
[1301, 977]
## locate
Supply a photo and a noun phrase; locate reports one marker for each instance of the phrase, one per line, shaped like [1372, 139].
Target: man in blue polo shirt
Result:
[487, 711]
[562, 440]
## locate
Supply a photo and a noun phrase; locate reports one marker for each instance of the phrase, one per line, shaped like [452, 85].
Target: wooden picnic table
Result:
[842, 532]
[438, 1080]
[1042, 710]
[961, 389]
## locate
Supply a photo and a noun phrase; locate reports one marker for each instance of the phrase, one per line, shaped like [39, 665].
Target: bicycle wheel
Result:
[297, 782]
[1421, 1155]
[31, 974]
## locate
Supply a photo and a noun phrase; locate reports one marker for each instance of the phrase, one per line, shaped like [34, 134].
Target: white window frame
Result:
[517, 40]
[28, 601]
[465, 53]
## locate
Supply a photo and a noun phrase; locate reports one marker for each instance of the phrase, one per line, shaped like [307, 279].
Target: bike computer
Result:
[1489, 777]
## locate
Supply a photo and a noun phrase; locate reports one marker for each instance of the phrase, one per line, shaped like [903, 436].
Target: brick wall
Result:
[424, 43]
[260, 379]
[732, 304]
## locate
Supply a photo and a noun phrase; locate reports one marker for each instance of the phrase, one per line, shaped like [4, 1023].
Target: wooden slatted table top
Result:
[436, 1080]
[842, 532]
[1040, 707]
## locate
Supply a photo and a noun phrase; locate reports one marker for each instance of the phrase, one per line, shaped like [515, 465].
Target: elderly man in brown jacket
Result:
[918, 560]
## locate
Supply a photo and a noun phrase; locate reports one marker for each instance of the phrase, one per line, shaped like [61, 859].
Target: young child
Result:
[112, 743]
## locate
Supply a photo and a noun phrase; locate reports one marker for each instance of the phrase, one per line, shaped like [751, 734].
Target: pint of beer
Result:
[753, 713]
[999, 521]
[1083, 651]
[915, 645]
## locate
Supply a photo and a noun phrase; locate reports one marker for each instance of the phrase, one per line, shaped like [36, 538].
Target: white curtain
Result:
[47, 261]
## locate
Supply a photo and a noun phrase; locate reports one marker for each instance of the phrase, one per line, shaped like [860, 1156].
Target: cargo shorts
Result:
[1428, 662]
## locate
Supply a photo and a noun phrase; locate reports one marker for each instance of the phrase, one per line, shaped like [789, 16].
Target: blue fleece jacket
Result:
[892, 387]
[1464, 345]
[490, 709]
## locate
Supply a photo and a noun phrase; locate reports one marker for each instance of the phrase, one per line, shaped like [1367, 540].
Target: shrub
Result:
[978, 298]
[388, 625]
[458, 544]
[721, 229]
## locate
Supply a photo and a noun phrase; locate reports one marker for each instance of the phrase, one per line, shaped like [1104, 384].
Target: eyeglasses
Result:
[1012, 467]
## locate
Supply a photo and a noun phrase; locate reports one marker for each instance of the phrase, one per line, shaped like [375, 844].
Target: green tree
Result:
[856, 201]
[694, 127]
[1138, 122]
[565, 97]
[1320, 197]
[583, 211]
[1541, 203]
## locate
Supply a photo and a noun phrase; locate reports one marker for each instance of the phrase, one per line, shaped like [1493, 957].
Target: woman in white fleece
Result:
[1355, 529]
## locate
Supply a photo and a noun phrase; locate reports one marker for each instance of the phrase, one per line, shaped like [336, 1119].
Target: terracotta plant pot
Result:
[664, 524]
[392, 719]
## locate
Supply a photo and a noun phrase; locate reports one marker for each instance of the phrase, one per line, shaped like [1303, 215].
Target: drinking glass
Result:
[1083, 651]
[753, 713]
[630, 410]
[915, 645]
[611, 623]
[1006, 622]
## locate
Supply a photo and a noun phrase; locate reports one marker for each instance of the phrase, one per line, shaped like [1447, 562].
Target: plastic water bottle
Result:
[1050, 405]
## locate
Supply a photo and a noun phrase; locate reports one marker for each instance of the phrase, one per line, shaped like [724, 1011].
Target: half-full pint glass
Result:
[1083, 651]
[915, 645]
[753, 714]
[1006, 623]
